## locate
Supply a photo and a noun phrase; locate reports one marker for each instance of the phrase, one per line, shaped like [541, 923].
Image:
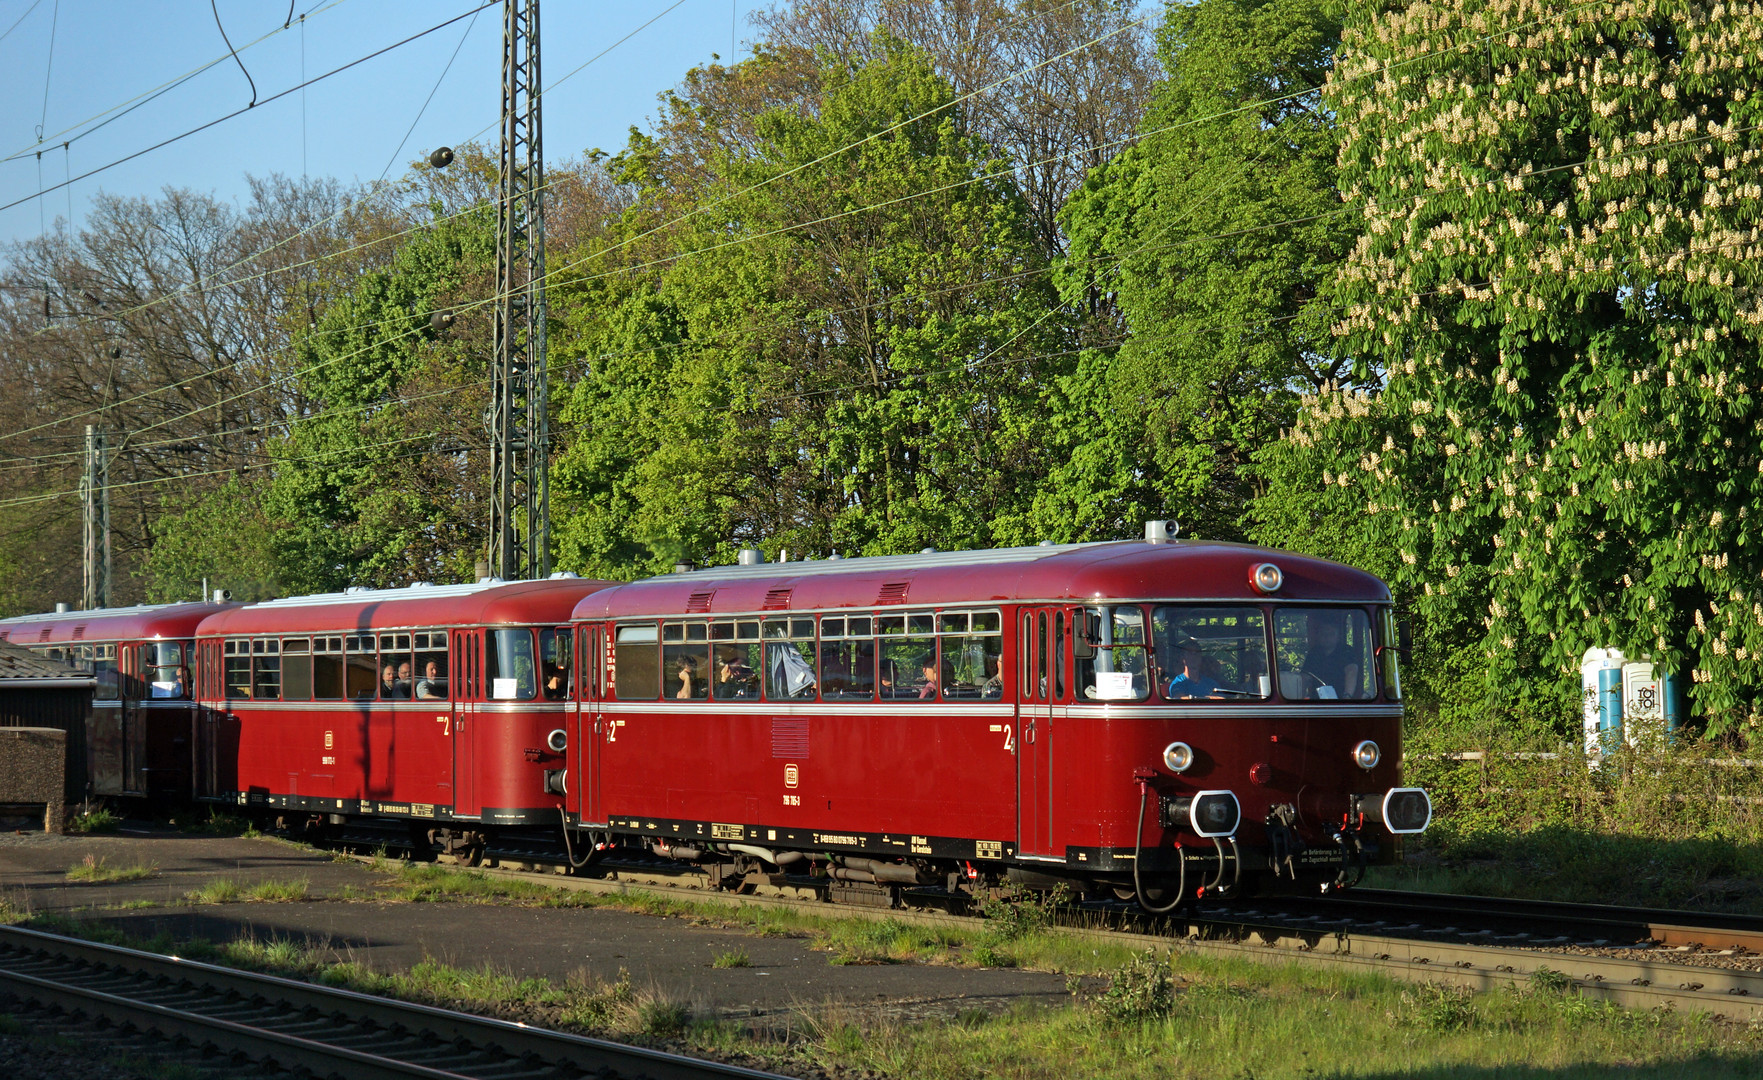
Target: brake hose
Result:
[1181, 864]
[568, 852]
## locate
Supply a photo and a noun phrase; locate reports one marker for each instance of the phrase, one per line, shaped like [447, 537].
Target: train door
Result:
[592, 657]
[1039, 690]
[467, 677]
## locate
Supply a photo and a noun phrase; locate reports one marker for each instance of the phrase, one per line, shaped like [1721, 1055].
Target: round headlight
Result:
[1266, 577]
[1366, 755]
[1178, 756]
[557, 740]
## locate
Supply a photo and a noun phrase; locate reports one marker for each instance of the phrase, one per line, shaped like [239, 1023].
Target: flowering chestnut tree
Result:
[1558, 286]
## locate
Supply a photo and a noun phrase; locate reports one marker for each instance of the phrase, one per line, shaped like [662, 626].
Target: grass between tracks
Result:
[1132, 1016]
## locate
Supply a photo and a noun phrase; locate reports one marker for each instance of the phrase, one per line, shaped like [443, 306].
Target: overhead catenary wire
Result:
[215, 277]
[20, 19]
[239, 112]
[215, 7]
[980, 178]
[74, 133]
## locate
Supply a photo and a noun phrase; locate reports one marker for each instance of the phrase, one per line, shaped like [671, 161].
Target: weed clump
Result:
[94, 821]
[1437, 1007]
[1141, 989]
[734, 958]
[95, 870]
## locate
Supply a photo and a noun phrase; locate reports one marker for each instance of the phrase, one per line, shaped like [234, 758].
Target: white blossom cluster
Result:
[1559, 277]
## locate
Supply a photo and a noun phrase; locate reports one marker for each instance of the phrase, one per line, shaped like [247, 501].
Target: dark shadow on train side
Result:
[365, 715]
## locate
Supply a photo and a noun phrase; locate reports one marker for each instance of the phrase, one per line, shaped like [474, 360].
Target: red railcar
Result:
[1146, 716]
[430, 704]
[140, 737]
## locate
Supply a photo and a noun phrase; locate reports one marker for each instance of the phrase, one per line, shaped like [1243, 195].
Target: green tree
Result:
[1215, 234]
[382, 484]
[1557, 280]
[223, 537]
[835, 355]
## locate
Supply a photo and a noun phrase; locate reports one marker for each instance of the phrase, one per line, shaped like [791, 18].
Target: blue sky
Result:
[106, 52]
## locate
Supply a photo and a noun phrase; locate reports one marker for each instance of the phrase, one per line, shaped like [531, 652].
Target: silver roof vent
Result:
[1161, 532]
[61, 607]
[749, 557]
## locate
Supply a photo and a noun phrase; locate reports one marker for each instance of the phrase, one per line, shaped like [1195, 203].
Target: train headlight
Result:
[558, 740]
[1266, 577]
[1204, 813]
[1366, 755]
[1178, 757]
[1403, 810]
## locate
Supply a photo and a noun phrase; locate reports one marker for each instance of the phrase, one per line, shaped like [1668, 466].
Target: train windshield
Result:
[1325, 654]
[1211, 653]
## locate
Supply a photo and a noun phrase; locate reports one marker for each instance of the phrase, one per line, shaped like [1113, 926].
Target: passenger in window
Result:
[431, 685]
[994, 684]
[688, 678]
[734, 679]
[888, 677]
[390, 688]
[555, 685]
[1330, 662]
[181, 688]
[405, 685]
[1191, 680]
[927, 665]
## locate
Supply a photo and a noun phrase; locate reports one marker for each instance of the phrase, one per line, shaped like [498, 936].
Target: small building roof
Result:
[22, 669]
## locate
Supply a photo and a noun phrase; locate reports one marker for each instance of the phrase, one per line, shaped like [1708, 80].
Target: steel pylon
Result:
[520, 512]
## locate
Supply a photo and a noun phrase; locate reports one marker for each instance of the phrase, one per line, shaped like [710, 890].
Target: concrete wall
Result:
[67, 709]
[33, 763]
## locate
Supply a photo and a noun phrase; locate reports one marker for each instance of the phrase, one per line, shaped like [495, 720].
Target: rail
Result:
[290, 1025]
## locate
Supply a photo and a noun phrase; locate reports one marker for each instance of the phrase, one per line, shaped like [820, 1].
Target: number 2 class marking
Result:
[446, 723]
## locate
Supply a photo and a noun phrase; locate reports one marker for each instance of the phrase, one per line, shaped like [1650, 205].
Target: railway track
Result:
[1481, 942]
[270, 1024]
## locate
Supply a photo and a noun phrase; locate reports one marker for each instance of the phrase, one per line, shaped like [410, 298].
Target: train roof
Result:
[143, 622]
[1124, 569]
[491, 602]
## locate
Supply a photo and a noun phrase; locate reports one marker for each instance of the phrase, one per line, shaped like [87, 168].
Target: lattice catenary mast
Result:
[519, 430]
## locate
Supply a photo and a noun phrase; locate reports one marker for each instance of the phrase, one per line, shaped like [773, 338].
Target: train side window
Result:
[554, 655]
[972, 645]
[1059, 656]
[734, 660]
[395, 660]
[1388, 660]
[238, 669]
[636, 671]
[431, 665]
[102, 661]
[266, 665]
[327, 668]
[789, 659]
[847, 659]
[685, 662]
[907, 646]
[361, 676]
[296, 669]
